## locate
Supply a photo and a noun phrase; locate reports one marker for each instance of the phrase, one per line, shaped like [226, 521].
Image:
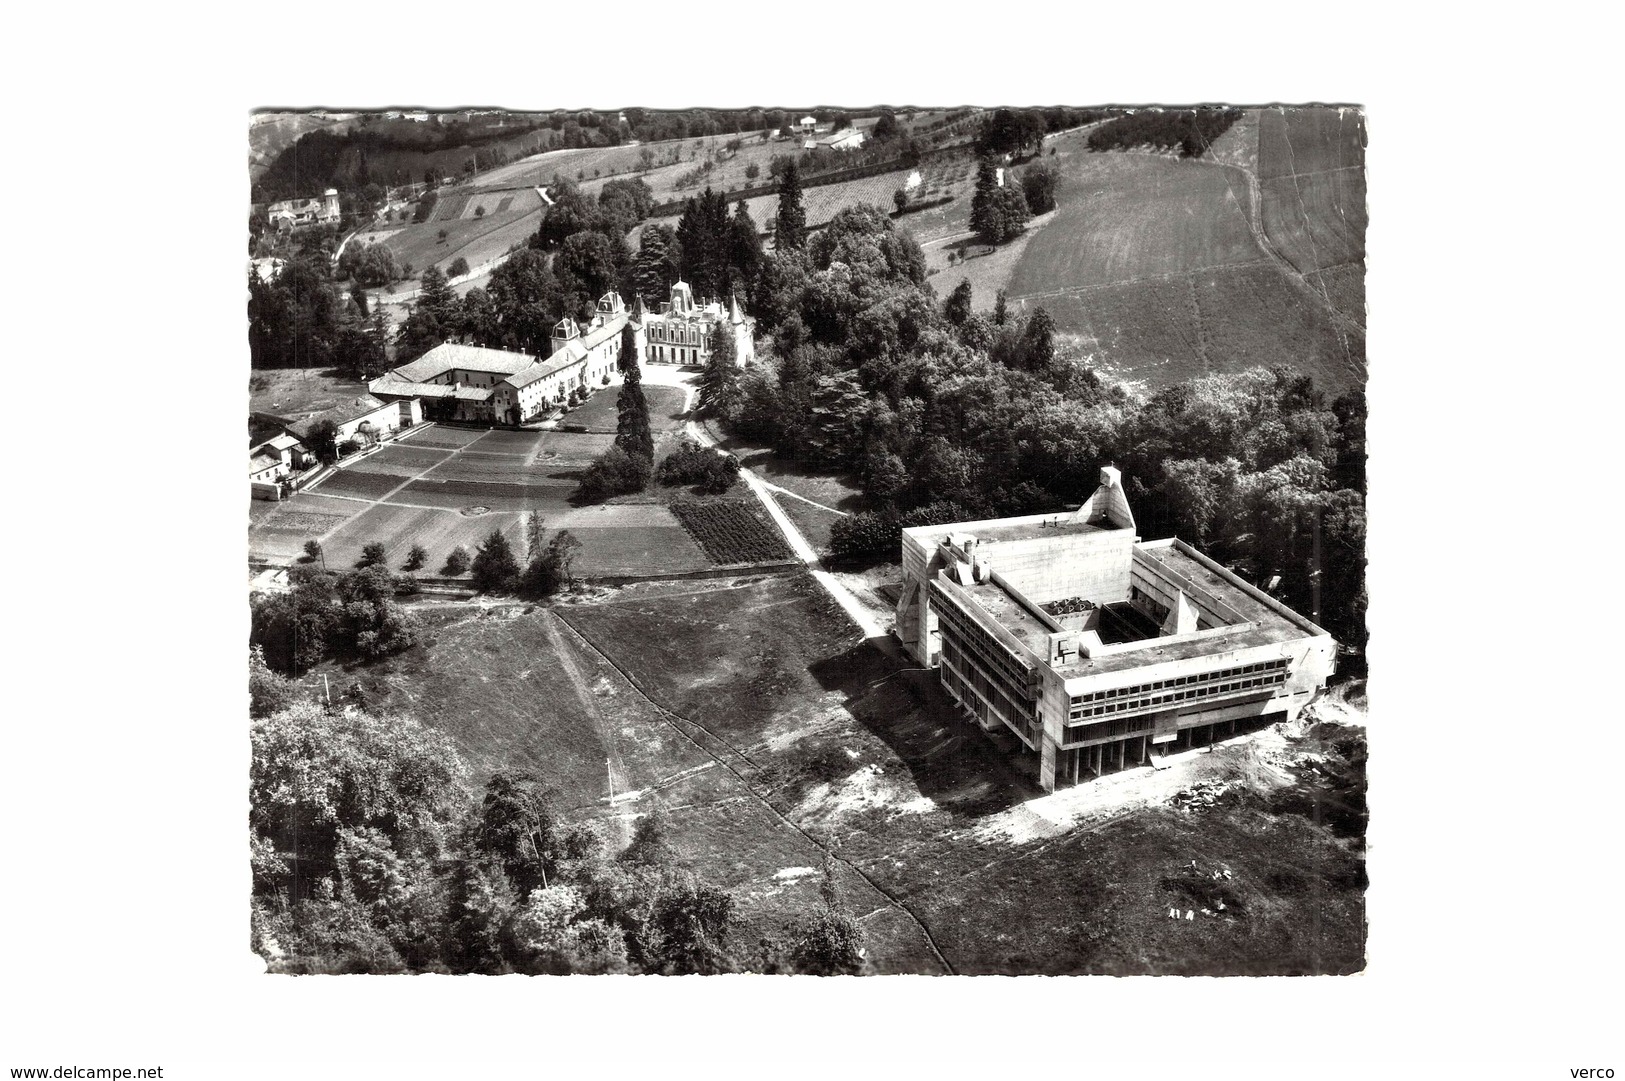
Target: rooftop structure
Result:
[1097, 650]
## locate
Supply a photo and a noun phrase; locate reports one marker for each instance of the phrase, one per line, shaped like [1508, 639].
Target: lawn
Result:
[813, 522]
[399, 528]
[840, 491]
[600, 411]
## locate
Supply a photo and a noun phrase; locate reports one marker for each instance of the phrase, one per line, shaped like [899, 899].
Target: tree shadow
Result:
[951, 761]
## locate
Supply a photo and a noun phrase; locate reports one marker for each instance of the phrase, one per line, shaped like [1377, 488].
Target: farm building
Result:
[365, 419]
[849, 139]
[680, 333]
[468, 382]
[291, 212]
[1097, 650]
[277, 458]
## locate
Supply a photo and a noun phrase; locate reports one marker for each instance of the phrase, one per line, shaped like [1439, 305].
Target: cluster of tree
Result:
[348, 159]
[717, 253]
[578, 254]
[706, 468]
[495, 568]
[998, 212]
[1038, 187]
[1020, 132]
[298, 320]
[351, 615]
[626, 466]
[370, 854]
[939, 404]
[1192, 131]
[371, 265]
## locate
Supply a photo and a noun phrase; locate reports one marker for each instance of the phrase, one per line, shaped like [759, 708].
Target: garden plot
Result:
[732, 532]
[441, 437]
[497, 441]
[464, 494]
[628, 539]
[368, 484]
[400, 460]
[500, 468]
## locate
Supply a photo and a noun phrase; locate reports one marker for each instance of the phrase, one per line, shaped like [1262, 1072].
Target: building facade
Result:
[1097, 650]
[680, 332]
[472, 383]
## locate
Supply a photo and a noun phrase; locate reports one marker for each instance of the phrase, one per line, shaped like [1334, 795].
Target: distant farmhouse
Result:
[468, 382]
[847, 139]
[1097, 650]
[291, 212]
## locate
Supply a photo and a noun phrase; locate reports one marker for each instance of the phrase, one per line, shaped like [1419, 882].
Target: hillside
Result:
[1167, 268]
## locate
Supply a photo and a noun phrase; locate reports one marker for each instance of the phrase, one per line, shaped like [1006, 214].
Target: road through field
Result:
[871, 628]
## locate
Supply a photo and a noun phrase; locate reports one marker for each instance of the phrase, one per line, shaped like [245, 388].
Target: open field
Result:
[474, 237]
[292, 392]
[986, 269]
[788, 737]
[1126, 217]
[1312, 165]
[1157, 263]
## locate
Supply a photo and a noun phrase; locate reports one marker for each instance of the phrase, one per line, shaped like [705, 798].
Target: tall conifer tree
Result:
[632, 432]
[792, 227]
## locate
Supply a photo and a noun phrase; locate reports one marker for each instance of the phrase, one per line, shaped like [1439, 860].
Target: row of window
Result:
[1004, 698]
[1173, 697]
[1277, 664]
[1113, 729]
[996, 657]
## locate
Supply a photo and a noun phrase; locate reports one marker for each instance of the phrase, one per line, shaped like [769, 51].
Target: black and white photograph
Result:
[830, 540]
[876, 540]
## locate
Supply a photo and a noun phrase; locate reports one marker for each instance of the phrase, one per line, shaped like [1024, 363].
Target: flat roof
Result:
[1014, 616]
[1014, 529]
[1269, 621]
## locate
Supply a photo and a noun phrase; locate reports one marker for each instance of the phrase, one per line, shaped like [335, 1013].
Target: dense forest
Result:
[1191, 131]
[372, 853]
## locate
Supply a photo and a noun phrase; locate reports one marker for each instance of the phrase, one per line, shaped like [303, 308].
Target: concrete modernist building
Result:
[469, 382]
[680, 333]
[1095, 649]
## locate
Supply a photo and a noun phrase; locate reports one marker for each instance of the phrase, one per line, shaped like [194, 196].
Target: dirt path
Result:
[617, 777]
[855, 609]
